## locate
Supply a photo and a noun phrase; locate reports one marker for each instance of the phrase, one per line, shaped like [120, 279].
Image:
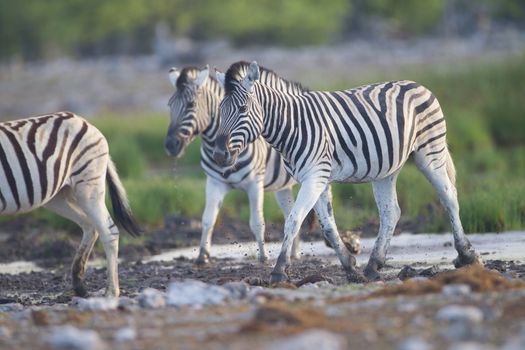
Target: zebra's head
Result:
[187, 111]
[240, 113]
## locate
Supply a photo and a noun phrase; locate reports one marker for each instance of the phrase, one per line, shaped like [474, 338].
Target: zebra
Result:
[61, 162]
[360, 135]
[194, 111]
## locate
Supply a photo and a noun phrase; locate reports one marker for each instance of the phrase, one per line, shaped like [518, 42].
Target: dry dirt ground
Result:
[434, 307]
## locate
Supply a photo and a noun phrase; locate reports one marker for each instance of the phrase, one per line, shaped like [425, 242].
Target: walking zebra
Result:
[194, 110]
[360, 135]
[61, 162]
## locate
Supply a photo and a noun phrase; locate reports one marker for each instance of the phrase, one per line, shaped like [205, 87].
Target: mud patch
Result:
[479, 279]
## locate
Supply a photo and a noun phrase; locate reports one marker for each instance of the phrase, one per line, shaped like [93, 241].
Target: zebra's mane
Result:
[188, 75]
[237, 72]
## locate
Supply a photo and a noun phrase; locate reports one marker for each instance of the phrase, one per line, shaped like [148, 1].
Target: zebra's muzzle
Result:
[174, 147]
[224, 157]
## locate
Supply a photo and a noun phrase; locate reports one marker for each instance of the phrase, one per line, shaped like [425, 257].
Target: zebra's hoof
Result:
[202, 259]
[469, 257]
[372, 274]
[278, 277]
[355, 276]
[263, 258]
[80, 290]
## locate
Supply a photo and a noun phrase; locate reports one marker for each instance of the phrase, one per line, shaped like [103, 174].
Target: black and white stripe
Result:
[359, 135]
[61, 162]
[194, 111]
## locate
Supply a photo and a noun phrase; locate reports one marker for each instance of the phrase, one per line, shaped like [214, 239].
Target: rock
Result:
[95, 304]
[313, 339]
[5, 333]
[471, 346]
[414, 343]
[151, 298]
[406, 273]
[69, 337]
[126, 303]
[238, 290]
[11, 307]
[456, 289]
[125, 334]
[461, 321]
[462, 313]
[196, 293]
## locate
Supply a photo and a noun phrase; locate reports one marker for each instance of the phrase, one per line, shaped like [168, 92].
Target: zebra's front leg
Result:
[389, 213]
[215, 192]
[307, 197]
[257, 225]
[324, 211]
[285, 201]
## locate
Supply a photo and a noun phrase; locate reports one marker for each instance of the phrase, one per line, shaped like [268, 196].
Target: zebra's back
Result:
[40, 155]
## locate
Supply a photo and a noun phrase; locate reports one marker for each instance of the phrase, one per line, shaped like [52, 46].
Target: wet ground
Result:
[435, 306]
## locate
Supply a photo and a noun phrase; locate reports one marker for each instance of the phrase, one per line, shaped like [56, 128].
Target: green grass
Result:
[486, 133]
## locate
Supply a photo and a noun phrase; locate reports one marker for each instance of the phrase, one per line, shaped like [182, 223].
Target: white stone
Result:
[5, 332]
[125, 334]
[238, 290]
[151, 298]
[471, 346]
[456, 289]
[95, 304]
[69, 337]
[313, 339]
[461, 313]
[196, 293]
[414, 343]
[11, 307]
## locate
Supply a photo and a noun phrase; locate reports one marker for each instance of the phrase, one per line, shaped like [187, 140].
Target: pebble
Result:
[5, 333]
[69, 337]
[151, 298]
[126, 303]
[125, 334]
[196, 293]
[460, 313]
[11, 307]
[238, 290]
[471, 346]
[456, 290]
[463, 321]
[95, 304]
[414, 343]
[310, 340]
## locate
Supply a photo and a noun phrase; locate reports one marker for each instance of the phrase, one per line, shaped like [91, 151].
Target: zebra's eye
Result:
[243, 109]
[191, 104]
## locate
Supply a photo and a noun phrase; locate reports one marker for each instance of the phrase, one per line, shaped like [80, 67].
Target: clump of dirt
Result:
[279, 316]
[351, 240]
[477, 277]
[410, 272]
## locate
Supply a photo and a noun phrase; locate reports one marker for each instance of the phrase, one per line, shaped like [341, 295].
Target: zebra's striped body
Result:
[359, 135]
[61, 162]
[194, 110]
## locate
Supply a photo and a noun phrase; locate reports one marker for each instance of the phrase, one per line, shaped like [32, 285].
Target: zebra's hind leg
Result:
[324, 210]
[90, 197]
[64, 204]
[389, 213]
[285, 201]
[438, 168]
[257, 225]
[215, 192]
[307, 197]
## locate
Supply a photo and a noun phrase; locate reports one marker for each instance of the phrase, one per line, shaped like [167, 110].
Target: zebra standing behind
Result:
[61, 162]
[194, 111]
[360, 135]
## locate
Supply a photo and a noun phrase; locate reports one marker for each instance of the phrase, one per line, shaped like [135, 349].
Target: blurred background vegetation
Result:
[483, 101]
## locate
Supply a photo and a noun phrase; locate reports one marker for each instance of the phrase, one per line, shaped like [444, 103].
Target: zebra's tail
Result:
[119, 201]
[451, 169]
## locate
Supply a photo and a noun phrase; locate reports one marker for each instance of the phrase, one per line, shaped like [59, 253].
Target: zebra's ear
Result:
[220, 77]
[252, 75]
[202, 77]
[173, 75]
